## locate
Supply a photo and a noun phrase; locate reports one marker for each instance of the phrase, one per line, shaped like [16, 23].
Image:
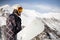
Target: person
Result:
[13, 24]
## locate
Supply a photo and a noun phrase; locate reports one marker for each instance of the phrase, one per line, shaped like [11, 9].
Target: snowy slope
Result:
[28, 17]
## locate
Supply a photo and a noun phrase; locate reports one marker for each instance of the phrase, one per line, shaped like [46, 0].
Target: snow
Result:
[2, 21]
[36, 27]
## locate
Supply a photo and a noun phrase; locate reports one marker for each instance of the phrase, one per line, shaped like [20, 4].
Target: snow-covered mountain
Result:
[37, 26]
[52, 21]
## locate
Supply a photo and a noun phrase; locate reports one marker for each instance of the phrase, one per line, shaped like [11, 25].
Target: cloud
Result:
[49, 8]
[42, 7]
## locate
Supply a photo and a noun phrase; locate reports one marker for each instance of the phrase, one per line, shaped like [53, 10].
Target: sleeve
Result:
[11, 24]
[19, 26]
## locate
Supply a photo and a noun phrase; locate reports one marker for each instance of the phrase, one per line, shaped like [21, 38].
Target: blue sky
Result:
[48, 2]
[34, 4]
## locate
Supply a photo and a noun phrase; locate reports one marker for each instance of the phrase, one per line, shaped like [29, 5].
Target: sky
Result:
[49, 2]
[43, 6]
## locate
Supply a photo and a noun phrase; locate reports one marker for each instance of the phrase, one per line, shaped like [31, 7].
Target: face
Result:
[20, 10]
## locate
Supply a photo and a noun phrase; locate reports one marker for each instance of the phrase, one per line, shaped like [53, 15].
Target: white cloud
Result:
[42, 7]
[48, 8]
